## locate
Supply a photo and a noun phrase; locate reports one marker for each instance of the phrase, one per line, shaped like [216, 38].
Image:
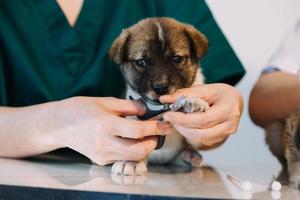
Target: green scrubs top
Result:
[43, 58]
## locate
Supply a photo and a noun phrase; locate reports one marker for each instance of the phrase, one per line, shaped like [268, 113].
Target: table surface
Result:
[77, 174]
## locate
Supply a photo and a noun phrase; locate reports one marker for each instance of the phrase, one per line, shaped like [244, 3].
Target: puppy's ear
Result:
[197, 41]
[119, 49]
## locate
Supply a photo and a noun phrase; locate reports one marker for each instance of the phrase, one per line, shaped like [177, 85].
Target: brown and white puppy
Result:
[158, 56]
[283, 139]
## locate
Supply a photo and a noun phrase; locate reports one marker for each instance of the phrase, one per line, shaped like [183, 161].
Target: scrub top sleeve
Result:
[287, 56]
[220, 64]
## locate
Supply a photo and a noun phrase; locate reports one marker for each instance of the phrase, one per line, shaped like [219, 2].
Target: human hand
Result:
[96, 128]
[205, 130]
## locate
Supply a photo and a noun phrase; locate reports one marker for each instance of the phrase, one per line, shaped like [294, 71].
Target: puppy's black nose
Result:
[161, 88]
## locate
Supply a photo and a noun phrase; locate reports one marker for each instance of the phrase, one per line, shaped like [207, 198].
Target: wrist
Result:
[27, 131]
[52, 127]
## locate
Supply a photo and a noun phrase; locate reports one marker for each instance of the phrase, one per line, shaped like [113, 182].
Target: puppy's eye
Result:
[176, 59]
[141, 63]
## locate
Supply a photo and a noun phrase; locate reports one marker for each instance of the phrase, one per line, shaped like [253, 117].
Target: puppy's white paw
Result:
[195, 105]
[129, 168]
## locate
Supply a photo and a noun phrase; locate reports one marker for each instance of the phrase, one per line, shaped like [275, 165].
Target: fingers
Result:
[126, 149]
[139, 129]
[134, 150]
[213, 116]
[123, 149]
[123, 107]
[173, 97]
[209, 136]
[196, 91]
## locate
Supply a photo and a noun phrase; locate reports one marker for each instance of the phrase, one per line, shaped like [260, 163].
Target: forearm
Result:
[28, 130]
[274, 97]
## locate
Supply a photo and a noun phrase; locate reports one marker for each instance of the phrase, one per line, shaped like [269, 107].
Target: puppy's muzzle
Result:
[160, 88]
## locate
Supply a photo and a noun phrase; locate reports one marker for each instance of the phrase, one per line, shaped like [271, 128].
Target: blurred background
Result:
[255, 29]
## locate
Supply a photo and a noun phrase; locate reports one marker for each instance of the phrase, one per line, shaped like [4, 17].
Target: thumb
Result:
[122, 107]
[169, 98]
[173, 117]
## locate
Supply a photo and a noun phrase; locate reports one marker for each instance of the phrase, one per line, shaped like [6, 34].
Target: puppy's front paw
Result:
[195, 105]
[129, 168]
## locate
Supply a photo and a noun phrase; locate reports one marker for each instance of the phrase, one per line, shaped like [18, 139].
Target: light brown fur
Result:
[284, 142]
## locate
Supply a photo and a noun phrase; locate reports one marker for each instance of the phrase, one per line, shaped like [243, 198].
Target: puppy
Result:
[158, 56]
[283, 139]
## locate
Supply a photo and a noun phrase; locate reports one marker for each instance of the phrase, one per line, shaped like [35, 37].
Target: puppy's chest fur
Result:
[174, 142]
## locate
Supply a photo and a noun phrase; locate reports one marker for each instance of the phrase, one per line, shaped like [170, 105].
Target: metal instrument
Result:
[154, 108]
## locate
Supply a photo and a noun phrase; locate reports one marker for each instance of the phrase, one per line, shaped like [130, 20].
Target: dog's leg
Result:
[129, 168]
[189, 156]
[195, 105]
[294, 174]
[275, 140]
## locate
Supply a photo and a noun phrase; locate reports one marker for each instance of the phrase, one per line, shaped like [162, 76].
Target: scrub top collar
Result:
[72, 44]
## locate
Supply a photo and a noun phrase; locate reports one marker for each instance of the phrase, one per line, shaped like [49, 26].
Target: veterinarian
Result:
[276, 93]
[58, 89]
